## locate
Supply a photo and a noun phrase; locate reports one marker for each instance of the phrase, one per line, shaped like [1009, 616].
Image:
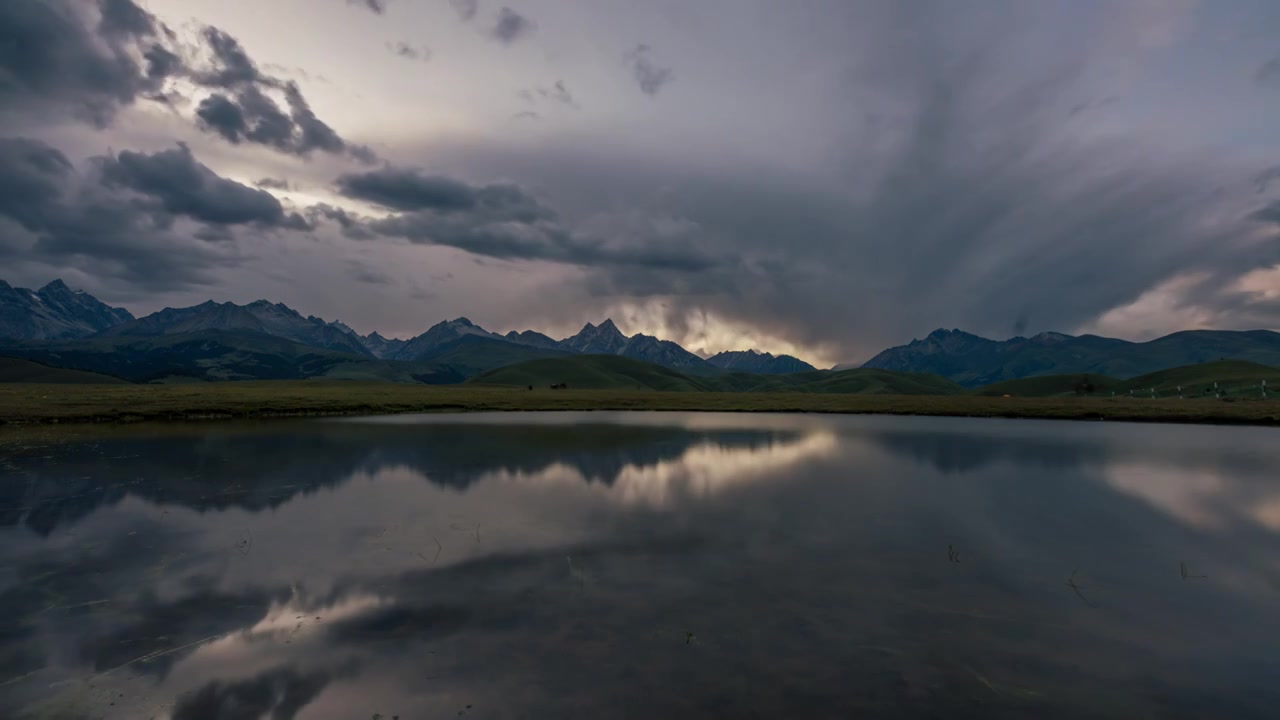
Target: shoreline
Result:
[24, 405]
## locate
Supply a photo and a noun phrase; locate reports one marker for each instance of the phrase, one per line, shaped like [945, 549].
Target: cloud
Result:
[92, 59]
[352, 226]
[408, 52]
[280, 693]
[557, 93]
[499, 220]
[975, 204]
[250, 115]
[466, 9]
[377, 7]
[273, 183]
[183, 186]
[231, 67]
[511, 26]
[648, 75]
[409, 189]
[365, 274]
[88, 59]
[138, 216]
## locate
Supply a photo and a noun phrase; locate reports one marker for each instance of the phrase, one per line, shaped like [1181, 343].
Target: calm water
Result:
[650, 565]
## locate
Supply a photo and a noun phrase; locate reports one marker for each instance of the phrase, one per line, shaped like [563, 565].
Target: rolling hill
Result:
[18, 370]
[205, 355]
[1052, 386]
[621, 373]
[592, 372]
[1227, 378]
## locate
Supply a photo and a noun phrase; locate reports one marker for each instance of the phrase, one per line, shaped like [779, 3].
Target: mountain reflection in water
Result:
[620, 565]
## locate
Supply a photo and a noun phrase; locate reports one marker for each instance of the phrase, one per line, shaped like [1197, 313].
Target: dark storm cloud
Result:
[353, 226]
[466, 9]
[280, 693]
[408, 189]
[499, 220]
[232, 67]
[250, 115]
[511, 26]
[94, 58]
[649, 76]
[185, 187]
[975, 204]
[481, 234]
[377, 7]
[133, 215]
[408, 52]
[77, 56]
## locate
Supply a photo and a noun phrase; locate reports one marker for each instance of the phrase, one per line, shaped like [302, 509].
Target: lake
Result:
[600, 565]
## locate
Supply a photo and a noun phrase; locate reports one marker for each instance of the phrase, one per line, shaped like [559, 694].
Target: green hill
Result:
[1052, 386]
[599, 372]
[592, 372]
[1235, 378]
[17, 370]
[205, 355]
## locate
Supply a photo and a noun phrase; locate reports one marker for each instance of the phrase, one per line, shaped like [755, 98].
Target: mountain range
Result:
[61, 327]
[53, 312]
[973, 361]
[213, 340]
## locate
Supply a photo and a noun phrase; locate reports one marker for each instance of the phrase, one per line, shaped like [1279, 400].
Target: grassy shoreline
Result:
[22, 404]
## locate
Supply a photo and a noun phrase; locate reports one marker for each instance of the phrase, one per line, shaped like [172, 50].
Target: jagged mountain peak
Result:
[55, 311]
[755, 361]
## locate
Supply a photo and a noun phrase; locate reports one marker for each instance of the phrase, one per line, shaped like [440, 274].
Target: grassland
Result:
[615, 372]
[34, 404]
[1236, 379]
[17, 370]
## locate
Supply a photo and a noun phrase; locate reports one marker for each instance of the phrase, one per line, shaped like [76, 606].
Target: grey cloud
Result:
[975, 210]
[511, 26]
[273, 183]
[186, 187]
[280, 693]
[353, 226]
[252, 116]
[647, 74]
[124, 18]
[377, 7]
[498, 220]
[79, 56]
[408, 189]
[147, 218]
[409, 52]
[504, 239]
[232, 66]
[32, 176]
[526, 115]
[93, 58]
[466, 9]
[557, 93]
[365, 274]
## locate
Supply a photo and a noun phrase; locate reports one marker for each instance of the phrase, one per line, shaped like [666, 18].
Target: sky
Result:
[824, 178]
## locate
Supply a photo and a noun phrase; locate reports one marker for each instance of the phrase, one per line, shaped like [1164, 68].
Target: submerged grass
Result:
[39, 404]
